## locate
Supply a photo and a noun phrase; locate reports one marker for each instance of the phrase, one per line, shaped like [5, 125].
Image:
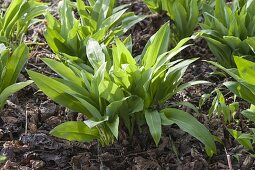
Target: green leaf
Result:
[231, 73]
[62, 70]
[92, 123]
[190, 125]
[221, 51]
[114, 126]
[179, 16]
[241, 90]
[157, 45]
[14, 66]
[91, 109]
[154, 122]
[187, 104]
[246, 69]
[249, 114]
[128, 22]
[232, 41]
[75, 131]
[95, 54]
[58, 91]
[243, 141]
[112, 19]
[110, 91]
[251, 42]
[8, 91]
[203, 99]
[100, 11]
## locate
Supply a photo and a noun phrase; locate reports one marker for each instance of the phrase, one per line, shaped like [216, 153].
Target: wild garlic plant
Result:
[11, 64]
[129, 90]
[99, 20]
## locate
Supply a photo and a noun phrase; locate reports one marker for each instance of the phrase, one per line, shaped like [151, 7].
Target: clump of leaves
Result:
[245, 139]
[244, 75]
[219, 106]
[91, 93]
[230, 30]
[11, 64]
[126, 90]
[15, 22]
[243, 87]
[98, 20]
[184, 14]
[154, 78]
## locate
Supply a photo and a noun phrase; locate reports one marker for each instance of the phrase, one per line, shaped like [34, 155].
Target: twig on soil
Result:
[14, 106]
[26, 121]
[229, 160]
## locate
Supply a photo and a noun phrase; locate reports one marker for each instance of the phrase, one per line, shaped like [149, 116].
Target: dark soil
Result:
[29, 115]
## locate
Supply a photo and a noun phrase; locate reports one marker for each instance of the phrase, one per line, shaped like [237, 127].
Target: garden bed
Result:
[29, 116]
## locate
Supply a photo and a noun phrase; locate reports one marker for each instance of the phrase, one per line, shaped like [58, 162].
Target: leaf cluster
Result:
[19, 16]
[230, 30]
[219, 107]
[98, 76]
[243, 87]
[184, 14]
[130, 89]
[11, 65]
[99, 20]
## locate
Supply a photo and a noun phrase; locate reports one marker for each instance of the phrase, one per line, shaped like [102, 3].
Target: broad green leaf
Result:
[114, 126]
[93, 110]
[112, 19]
[8, 91]
[14, 65]
[58, 92]
[165, 121]
[249, 114]
[158, 44]
[251, 42]
[62, 70]
[222, 52]
[154, 122]
[180, 15]
[128, 43]
[232, 41]
[193, 18]
[92, 123]
[220, 10]
[127, 105]
[95, 54]
[128, 22]
[110, 91]
[232, 74]
[187, 104]
[245, 142]
[100, 10]
[246, 69]
[18, 17]
[75, 131]
[189, 124]
[241, 90]
[166, 57]
[123, 57]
